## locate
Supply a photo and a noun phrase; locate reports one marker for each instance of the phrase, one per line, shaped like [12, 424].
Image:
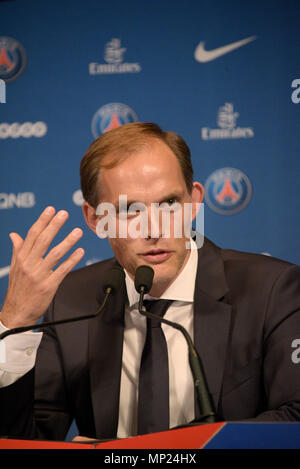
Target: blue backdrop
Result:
[224, 75]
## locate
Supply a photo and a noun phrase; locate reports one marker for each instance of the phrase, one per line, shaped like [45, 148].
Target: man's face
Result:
[151, 175]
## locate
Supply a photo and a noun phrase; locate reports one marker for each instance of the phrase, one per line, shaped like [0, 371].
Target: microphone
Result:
[113, 282]
[143, 282]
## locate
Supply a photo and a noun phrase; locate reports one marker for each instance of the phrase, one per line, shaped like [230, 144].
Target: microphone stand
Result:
[115, 277]
[44, 325]
[204, 399]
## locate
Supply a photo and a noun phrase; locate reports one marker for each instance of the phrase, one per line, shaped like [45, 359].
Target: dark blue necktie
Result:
[153, 401]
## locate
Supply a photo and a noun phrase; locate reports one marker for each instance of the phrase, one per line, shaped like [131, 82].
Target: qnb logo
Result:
[2, 92]
[20, 200]
[296, 93]
[25, 130]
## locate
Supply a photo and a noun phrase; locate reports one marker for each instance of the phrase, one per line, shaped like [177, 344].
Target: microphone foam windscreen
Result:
[143, 278]
[114, 278]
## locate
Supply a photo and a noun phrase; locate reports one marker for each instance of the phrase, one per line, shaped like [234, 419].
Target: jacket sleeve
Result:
[281, 368]
[35, 405]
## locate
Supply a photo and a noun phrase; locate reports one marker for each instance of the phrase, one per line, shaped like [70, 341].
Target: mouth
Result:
[156, 256]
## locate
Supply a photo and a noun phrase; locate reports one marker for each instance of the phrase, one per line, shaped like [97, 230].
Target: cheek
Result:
[124, 252]
[119, 247]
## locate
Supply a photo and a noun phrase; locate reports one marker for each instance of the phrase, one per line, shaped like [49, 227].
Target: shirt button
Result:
[29, 351]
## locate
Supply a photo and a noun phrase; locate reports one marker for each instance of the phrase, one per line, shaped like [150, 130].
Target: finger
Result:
[59, 274]
[61, 249]
[36, 229]
[83, 439]
[17, 243]
[16, 240]
[45, 238]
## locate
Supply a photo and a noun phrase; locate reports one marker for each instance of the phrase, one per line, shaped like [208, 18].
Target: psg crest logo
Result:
[228, 191]
[12, 58]
[110, 116]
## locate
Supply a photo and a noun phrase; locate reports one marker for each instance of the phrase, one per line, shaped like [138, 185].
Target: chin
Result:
[164, 274]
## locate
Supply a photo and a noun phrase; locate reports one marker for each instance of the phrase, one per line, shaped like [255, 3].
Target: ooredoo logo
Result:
[110, 116]
[12, 58]
[25, 130]
[228, 191]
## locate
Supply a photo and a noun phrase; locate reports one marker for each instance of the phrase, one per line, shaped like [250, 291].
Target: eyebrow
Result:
[177, 195]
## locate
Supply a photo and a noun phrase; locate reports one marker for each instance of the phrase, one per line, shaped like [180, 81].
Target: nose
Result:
[154, 222]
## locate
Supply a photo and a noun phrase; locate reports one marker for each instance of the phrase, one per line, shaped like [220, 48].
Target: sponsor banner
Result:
[232, 92]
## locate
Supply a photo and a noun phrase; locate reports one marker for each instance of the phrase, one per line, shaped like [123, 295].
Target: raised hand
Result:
[33, 281]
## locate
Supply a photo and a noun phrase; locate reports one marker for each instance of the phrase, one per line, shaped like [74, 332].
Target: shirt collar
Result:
[182, 289]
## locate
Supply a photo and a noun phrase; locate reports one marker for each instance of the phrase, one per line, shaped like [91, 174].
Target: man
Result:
[242, 310]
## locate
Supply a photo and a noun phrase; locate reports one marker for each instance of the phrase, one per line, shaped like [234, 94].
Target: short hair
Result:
[113, 146]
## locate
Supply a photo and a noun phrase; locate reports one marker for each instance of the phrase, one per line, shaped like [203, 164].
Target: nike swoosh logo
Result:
[202, 55]
[4, 271]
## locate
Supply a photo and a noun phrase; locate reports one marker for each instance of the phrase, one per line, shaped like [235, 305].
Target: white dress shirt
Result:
[18, 352]
[17, 355]
[181, 386]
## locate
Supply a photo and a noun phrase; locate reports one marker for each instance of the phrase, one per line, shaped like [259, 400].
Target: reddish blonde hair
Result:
[113, 146]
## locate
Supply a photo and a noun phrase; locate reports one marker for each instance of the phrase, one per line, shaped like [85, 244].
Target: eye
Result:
[171, 201]
[135, 209]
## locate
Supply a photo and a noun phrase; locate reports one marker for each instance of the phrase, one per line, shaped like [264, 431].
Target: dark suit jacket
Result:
[246, 315]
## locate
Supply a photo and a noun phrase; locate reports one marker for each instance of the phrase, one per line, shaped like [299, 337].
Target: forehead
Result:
[151, 170]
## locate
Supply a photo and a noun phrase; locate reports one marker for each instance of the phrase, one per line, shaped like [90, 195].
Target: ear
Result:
[90, 216]
[197, 198]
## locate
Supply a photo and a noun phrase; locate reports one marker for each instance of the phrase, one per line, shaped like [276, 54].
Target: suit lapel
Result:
[105, 357]
[211, 317]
